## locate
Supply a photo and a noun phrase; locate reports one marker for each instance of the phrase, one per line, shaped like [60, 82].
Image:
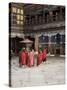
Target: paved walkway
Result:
[49, 73]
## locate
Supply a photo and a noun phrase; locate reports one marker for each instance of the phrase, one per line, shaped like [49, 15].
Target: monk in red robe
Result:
[20, 61]
[26, 57]
[39, 58]
[44, 55]
[31, 58]
[22, 58]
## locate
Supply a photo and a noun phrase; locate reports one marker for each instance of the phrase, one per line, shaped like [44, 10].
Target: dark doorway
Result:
[57, 51]
[16, 45]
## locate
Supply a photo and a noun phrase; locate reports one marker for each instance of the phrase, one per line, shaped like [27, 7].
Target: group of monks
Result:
[27, 58]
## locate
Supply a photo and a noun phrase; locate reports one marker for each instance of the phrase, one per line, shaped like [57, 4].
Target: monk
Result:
[44, 55]
[22, 58]
[26, 57]
[39, 58]
[20, 61]
[31, 58]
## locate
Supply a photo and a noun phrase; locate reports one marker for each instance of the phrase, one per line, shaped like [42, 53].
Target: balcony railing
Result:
[44, 25]
[44, 20]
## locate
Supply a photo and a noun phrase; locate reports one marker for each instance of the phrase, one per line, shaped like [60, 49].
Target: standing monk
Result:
[39, 58]
[22, 60]
[31, 58]
[26, 57]
[44, 55]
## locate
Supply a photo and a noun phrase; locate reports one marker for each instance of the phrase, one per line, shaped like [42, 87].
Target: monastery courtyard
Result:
[50, 73]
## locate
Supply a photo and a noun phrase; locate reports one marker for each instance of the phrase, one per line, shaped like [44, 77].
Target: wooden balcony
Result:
[44, 25]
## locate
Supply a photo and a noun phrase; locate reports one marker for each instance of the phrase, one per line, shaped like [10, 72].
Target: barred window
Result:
[43, 39]
[53, 39]
[14, 9]
[58, 38]
[21, 17]
[18, 17]
[18, 10]
[18, 22]
[21, 11]
[63, 38]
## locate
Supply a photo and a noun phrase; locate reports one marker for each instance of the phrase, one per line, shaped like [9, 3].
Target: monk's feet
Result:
[44, 62]
[20, 66]
[23, 66]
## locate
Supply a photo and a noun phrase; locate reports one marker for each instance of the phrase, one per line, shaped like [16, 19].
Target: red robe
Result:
[44, 54]
[39, 58]
[26, 57]
[22, 58]
[31, 58]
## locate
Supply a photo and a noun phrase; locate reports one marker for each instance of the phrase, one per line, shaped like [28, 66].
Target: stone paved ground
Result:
[49, 73]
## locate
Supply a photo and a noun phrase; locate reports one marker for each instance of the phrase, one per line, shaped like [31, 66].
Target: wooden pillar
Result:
[47, 17]
[55, 49]
[49, 44]
[43, 18]
[60, 15]
[51, 16]
[61, 49]
[36, 19]
[55, 46]
[56, 16]
[36, 42]
[30, 20]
